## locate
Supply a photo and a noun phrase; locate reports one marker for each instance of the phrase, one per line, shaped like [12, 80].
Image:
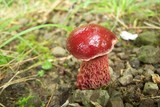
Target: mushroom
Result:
[91, 44]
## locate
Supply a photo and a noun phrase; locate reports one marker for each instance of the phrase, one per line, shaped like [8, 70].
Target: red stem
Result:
[94, 73]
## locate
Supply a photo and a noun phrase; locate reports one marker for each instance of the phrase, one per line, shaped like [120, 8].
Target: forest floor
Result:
[36, 70]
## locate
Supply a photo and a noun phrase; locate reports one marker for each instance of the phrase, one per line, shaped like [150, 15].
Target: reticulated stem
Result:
[94, 73]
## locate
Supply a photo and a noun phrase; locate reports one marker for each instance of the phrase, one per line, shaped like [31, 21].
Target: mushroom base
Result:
[93, 74]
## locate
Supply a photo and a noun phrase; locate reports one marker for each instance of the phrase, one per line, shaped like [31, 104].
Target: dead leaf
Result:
[96, 104]
[156, 78]
[2, 76]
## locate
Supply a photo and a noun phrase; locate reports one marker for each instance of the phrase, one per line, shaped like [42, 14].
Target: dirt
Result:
[58, 84]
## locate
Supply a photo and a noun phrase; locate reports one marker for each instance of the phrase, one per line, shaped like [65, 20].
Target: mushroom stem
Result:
[94, 73]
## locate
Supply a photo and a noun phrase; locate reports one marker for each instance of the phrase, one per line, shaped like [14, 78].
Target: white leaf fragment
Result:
[128, 36]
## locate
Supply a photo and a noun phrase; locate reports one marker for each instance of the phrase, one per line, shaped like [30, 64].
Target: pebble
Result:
[59, 51]
[86, 96]
[140, 71]
[118, 66]
[128, 105]
[122, 56]
[148, 73]
[112, 56]
[158, 102]
[23, 21]
[61, 41]
[135, 63]
[132, 95]
[129, 51]
[135, 72]
[150, 88]
[88, 17]
[113, 74]
[113, 93]
[48, 36]
[128, 71]
[110, 63]
[72, 62]
[118, 49]
[132, 55]
[158, 71]
[135, 51]
[146, 67]
[147, 103]
[138, 78]
[118, 44]
[126, 79]
[115, 102]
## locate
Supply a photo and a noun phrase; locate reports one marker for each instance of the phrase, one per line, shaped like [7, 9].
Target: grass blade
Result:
[35, 28]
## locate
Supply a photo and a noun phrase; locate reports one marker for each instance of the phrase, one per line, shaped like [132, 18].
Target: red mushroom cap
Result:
[90, 41]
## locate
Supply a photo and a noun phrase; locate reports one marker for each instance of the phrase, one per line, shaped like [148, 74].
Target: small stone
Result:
[119, 44]
[86, 96]
[158, 102]
[148, 73]
[58, 51]
[115, 93]
[112, 56]
[113, 74]
[110, 63]
[147, 103]
[88, 17]
[72, 62]
[117, 49]
[61, 41]
[150, 88]
[115, 102]
[132, 55]
[128, 51]
[47, 35]
[128, 105]
[118, 66]
[149, 54]
[131, 95]
[122, 56]
[140, 71]
[135, 63]
[151, 67]
[158, 71]
[128, 71]
[135, 51]
[126, 79]
[138, 78]
[23, 21]
[135, 72]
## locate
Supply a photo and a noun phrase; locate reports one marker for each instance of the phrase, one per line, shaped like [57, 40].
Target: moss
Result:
[149, 54]
[148, 38]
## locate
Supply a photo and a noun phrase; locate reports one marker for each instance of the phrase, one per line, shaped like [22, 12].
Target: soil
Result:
[58, 84]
